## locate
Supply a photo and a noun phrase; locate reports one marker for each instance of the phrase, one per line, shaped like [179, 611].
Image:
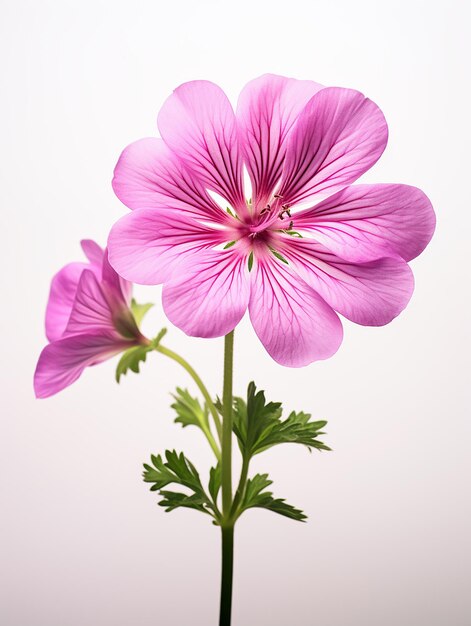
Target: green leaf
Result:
[139, 310]
[131, 359]
[252, 418]
[177, 469]
[250, 261]
[255, 496]
[171, 500]
[229, 245]
[258, 425]
[296, 428]
[214, 482]
[189, 410]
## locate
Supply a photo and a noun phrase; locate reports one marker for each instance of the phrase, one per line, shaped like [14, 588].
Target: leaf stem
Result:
[241, 486]
[181, 361]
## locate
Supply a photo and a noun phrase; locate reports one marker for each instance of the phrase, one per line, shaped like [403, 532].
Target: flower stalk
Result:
[227, 525]
[209, 403]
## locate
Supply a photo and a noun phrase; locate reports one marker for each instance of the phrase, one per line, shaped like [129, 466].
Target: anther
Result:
[284, 209]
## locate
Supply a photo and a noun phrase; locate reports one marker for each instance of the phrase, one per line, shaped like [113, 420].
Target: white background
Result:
[82, 541]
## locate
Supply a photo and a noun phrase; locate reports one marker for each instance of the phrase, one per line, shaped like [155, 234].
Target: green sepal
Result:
[133, 357]
[131, 360]
[255, 496]
[139, 310]
[250, 261]
[177, 469]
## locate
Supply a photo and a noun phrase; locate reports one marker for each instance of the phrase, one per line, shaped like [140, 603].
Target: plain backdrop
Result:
[82, 541]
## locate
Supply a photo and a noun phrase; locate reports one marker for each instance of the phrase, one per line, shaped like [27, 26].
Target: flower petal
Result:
[61, 299]
[145, 246]
[197, 122]
[367, 222]
[63, 361]
[149, 176]
[120, 289]
[293, 322]
[93, 252]
[91, 310]
[266, 111]
[338, 136]
[371, 294]
[210, 295]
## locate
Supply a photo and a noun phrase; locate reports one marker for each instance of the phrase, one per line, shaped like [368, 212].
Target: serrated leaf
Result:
[296, 428]
[177, 469]
[139, 310]
[255, 496]
[258, 425]
[171, 500]
[131, 360]
[252, 418]
[189, 411]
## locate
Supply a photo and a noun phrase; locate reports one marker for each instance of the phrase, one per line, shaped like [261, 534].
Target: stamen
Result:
[284, 209]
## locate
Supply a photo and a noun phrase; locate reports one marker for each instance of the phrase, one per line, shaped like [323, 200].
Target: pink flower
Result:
[88, 320]
[307, 244]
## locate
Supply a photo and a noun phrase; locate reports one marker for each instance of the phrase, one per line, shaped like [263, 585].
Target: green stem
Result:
[176, 357]
[226, 441]
[240, 488]
[226, 578]
[227, 527]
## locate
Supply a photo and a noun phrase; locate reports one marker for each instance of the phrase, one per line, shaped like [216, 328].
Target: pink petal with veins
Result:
[119, 289]
[267, 109]
[338, 136]
[61, 299]
[63, 361]
[366, 222]
[149, 176]
[93, 252]
[371, 294]
[293, 322]
[92, 310]
[146, 246]
[198, 124]
[210, 295]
